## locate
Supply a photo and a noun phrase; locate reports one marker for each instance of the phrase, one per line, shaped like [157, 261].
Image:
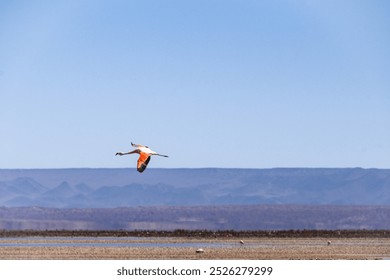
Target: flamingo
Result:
[145, 154]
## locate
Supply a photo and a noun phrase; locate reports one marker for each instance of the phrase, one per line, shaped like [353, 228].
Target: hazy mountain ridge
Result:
[209, 198]
[108, 188]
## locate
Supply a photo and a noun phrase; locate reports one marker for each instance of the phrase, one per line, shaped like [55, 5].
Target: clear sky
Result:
[232, 84]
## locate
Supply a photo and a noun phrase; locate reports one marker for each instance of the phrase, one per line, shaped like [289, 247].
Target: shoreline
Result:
[308, 251]
[184, 248]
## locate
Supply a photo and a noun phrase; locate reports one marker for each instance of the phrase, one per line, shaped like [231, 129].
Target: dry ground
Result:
[220, 248]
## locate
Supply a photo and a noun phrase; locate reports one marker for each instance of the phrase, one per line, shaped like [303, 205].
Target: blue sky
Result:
[232, 84]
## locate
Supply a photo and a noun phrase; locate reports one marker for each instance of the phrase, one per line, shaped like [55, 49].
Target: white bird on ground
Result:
[145, 154]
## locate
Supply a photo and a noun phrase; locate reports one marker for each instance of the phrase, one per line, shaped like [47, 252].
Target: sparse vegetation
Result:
[228, 234]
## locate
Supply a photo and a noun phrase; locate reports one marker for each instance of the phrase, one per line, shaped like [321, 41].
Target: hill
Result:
[239, 218]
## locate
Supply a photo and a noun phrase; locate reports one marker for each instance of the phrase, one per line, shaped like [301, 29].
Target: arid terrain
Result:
[183, 245]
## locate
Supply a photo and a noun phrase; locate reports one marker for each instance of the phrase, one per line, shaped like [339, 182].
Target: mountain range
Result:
[110, 188]
[207, 198]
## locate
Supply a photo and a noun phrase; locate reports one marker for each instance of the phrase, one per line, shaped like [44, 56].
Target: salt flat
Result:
[185, 248]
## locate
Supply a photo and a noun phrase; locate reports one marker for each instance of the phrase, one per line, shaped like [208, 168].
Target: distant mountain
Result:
[110, 188]
[20, 191]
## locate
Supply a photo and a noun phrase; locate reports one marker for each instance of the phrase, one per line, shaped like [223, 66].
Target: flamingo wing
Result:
[143, 161]
[137, 145]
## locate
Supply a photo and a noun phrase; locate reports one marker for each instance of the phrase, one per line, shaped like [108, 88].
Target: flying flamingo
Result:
[144, 155]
